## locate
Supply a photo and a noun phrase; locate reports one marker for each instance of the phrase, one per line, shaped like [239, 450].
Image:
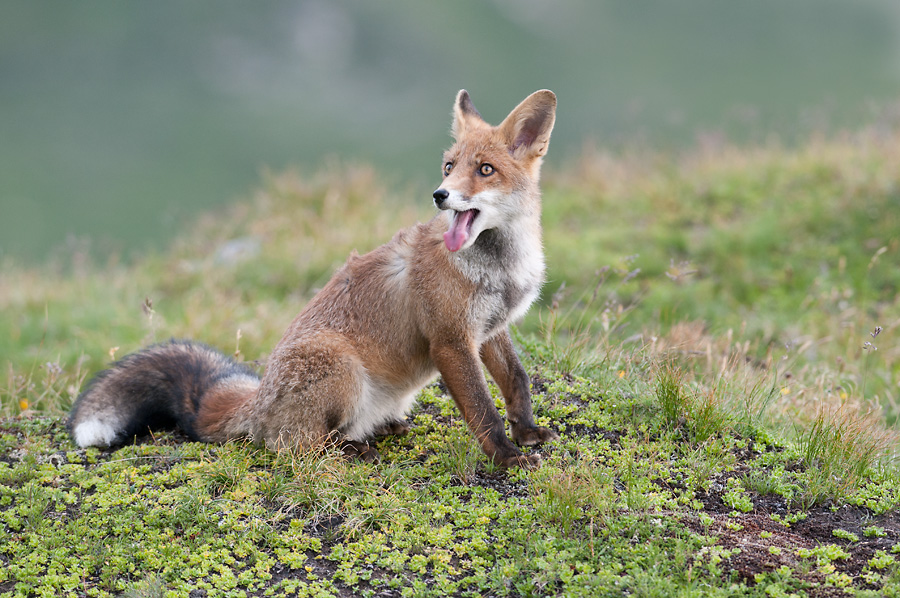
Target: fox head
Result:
[491, 173]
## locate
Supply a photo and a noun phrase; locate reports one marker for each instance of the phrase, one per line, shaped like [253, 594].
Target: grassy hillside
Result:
[717, 344]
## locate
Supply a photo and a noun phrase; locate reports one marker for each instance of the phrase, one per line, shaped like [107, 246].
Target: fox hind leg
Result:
[309, 394]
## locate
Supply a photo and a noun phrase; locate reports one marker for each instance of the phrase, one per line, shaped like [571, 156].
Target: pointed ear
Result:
[527, 128]
[463, 112]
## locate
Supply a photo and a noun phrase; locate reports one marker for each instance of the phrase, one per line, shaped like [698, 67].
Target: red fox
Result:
[437, 299]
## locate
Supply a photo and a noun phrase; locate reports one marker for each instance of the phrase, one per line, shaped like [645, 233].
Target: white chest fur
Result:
[508, 272]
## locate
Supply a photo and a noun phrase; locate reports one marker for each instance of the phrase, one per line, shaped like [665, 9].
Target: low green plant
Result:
[313, 482]
[882, 560]
[845, 535]
[824, 554]
[736, 497]
[773, 481]
[225, 471]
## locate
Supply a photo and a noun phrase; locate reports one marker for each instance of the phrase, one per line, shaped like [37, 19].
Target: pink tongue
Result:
[459, 230]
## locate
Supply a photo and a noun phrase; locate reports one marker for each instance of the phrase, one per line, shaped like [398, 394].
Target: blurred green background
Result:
[119, 120]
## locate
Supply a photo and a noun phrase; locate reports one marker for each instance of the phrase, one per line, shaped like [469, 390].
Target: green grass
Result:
[706, 346]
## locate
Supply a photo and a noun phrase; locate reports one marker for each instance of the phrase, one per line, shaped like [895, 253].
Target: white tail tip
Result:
[94, 433]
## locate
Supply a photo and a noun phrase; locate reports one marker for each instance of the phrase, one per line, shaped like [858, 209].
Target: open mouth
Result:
[460, 229]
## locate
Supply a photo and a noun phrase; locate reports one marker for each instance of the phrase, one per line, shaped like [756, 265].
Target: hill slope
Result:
[717, 346]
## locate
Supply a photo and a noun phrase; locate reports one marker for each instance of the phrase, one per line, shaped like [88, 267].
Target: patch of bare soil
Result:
[766, 544]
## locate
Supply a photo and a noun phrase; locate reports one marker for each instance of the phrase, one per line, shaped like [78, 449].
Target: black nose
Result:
[440, 196]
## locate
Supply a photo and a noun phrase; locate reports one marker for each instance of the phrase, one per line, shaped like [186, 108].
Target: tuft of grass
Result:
[670, 393]
[572, 495]
[578, 332]
[153, 587]
[310, 482]
[41, 388]
[460, 454]
[839, 448]
[226, 471]
[698, 412]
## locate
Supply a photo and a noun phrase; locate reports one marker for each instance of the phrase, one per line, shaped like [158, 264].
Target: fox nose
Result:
[440, 196]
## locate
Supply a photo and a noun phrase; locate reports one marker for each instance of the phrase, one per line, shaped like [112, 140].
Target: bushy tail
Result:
[181, 383]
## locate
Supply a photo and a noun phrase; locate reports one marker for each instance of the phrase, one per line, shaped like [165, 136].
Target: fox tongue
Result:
[460, 225]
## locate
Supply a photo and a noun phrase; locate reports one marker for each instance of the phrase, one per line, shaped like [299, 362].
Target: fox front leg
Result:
[500, 357]
[461, 371]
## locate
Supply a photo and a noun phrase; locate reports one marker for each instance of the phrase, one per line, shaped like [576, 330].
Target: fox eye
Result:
[447, 168]
[486, 169]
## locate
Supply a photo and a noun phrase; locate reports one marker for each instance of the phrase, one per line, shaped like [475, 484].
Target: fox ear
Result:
[527, 128]
[463, 111]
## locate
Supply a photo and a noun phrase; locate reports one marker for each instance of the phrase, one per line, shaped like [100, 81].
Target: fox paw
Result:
[528, 462]
[392, 428]
[354, 449]
[532, 435]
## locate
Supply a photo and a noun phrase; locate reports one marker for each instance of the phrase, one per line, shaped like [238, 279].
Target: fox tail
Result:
[178, 383]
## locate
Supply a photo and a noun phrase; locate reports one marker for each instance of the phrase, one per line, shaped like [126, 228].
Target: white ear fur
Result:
[527, 128]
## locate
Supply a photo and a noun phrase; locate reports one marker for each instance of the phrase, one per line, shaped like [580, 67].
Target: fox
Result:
[437, 299]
